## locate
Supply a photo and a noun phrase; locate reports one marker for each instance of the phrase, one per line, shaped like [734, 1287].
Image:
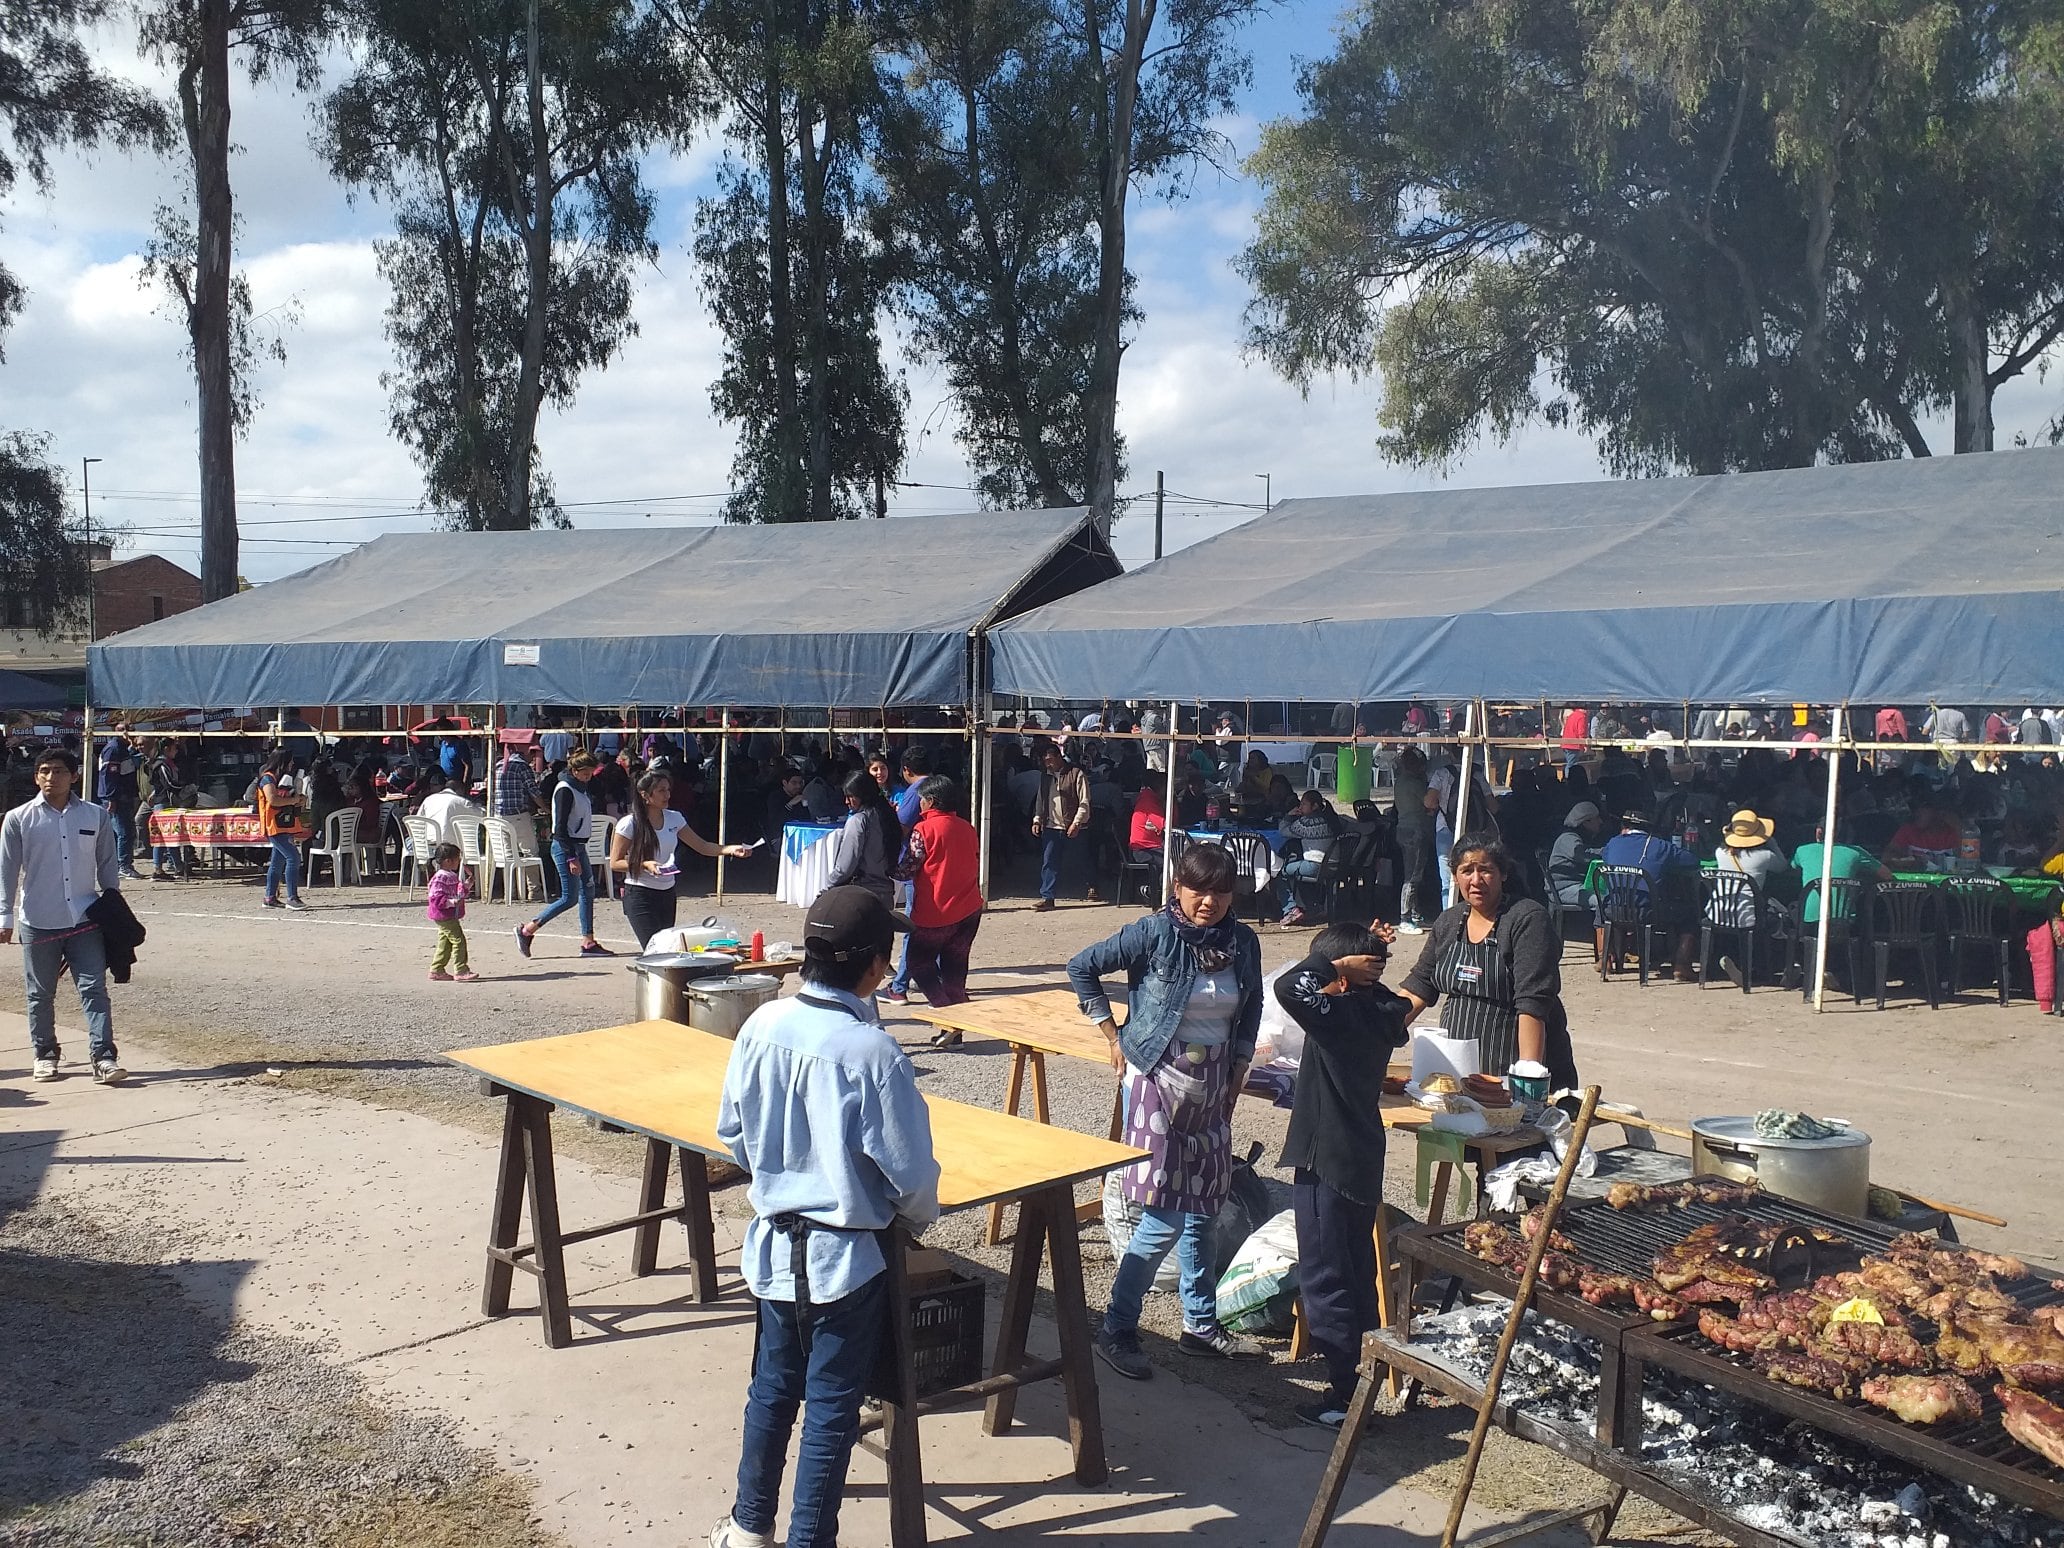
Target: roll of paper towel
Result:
[1434, 1053]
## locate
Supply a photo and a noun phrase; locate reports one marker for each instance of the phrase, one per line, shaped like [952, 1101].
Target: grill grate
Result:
[1626, 1242]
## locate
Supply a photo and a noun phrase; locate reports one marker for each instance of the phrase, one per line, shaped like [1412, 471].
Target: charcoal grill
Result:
[1980, 1454]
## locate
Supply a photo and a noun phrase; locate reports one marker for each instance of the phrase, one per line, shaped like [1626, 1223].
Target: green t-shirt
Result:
[1848, 863]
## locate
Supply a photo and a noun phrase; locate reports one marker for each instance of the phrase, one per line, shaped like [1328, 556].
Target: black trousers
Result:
[1336, 1274]
[648, 911]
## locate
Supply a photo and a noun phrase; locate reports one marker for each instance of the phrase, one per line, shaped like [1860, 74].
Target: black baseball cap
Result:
[847, 922]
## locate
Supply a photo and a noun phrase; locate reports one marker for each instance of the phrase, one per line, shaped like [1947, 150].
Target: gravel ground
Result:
[135, 1417]
[335, 1000]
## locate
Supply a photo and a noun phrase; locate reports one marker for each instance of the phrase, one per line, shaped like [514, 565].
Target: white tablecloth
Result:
[805, 862]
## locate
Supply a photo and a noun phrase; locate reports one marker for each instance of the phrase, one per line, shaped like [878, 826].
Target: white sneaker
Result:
[44, 1069]
[109, 1073]
[1407, 927]
[729, 1534]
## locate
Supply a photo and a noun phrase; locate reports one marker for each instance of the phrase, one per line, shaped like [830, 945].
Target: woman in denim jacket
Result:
[1195, 979]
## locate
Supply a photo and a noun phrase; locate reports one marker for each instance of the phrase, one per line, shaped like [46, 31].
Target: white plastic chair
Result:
[419, 858]
[1325, 771]
[510, 862]
[339, 847]
[473, 857]
[598, 857]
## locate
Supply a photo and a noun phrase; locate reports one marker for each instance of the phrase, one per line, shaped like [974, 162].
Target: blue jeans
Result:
[42, 959]
[572, 889]
[124, 823]
[1055, 846]
[900, 984]
[1443, 843]
[1300, 893]
[1158, 1230]
[827, 1386]
[285, 866]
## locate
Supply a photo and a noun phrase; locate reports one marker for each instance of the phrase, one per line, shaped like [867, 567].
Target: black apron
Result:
[1475, 982]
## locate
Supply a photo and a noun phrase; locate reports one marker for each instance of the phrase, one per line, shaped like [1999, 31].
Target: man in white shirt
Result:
[57, 856]
[448, 808]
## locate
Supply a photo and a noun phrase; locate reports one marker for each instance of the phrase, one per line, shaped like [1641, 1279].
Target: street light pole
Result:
[86, 491]
[1267, 501]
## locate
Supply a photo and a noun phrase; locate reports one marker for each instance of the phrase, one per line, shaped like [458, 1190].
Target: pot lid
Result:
[743, 983]
[1742, 1132]
[686, 964]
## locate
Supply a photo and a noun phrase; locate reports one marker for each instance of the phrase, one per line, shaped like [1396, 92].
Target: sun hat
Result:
[1580, 814]
[1745, 830]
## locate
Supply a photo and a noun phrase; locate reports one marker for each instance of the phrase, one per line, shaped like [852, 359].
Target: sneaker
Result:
[596, 950]
[729, 1534]
[467, 977]
[1043, 906]
[272, 902]
[108, 1073]
[894, 996]
[523, 946]
[439, 976]
[1292, 919]
[44, 1069]
[1220, 1345]
[1733, 971]
[161, 875]
[1410, 927]
[1121, 1351]
[130, 873]
[1326, 1413]
[297, 905]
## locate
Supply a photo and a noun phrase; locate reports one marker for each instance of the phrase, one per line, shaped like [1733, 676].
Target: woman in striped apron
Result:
[1497, 959]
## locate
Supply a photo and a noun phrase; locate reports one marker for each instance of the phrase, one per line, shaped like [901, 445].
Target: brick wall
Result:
[134, 592]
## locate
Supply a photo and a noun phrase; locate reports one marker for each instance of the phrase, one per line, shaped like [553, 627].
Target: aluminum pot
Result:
[1831, 1174]
[720, 1005]
[661, 981]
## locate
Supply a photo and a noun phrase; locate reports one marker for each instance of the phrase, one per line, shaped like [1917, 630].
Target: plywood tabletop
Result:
[1049, 1020]
[665, 1079]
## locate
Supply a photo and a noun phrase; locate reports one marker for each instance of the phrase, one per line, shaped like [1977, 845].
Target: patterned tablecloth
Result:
[208, 827]
[805, 862]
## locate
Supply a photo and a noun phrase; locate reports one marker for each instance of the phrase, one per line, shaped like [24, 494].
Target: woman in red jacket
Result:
[943, 867]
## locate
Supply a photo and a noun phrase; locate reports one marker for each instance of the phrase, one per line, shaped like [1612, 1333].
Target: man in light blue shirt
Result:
[822, 1107]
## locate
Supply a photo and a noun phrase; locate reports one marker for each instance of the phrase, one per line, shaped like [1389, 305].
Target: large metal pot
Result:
[720, 1005]
[1831, 1174]
[662, 981]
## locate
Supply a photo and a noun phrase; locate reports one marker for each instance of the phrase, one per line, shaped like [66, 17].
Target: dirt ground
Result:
[1956, 1100]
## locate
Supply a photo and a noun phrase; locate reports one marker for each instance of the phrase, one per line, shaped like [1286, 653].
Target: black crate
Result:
[946, 1335]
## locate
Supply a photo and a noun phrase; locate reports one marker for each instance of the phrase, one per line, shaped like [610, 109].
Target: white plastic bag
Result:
[1280, 1038]
[1555, 1123]
[1121, 1215]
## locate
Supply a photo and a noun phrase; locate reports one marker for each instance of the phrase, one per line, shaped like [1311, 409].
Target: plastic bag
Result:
[1279, 1036]
[1257, 1289]
[1121, 1215]
[1556, 1125]
[1246, 1209]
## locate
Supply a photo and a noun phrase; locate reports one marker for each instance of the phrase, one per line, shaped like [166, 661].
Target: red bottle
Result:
[759, 946]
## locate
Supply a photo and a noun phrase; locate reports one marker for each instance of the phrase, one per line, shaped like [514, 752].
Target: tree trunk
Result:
[1121, 90]
[780, 296]
[816, 278]
[537, 247]
[1970, 352]
[208, 320]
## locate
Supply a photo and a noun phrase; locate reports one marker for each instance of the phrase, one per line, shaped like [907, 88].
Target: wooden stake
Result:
[1496, 1377]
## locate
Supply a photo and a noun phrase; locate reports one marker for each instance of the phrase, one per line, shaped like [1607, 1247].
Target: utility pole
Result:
[1160, 493]
[86, 492]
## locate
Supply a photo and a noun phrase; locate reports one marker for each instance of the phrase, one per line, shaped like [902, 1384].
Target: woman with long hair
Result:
[1195, 978]
[867, 848]
[282, 815]
[643, 851]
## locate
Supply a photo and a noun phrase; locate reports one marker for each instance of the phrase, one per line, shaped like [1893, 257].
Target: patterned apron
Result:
[1177, 1113]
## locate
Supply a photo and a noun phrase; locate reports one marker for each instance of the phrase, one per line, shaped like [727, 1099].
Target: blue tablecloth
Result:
[1269, 864]
[805, 862]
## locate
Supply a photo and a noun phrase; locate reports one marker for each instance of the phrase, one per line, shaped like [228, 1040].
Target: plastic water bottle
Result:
[1967, 850]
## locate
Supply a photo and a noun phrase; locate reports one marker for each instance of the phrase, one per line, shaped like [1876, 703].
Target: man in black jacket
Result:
[1334, 1146]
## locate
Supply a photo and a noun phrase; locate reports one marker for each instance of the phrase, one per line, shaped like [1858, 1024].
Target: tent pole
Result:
[492, 748]
[1464, 766]
[979, 780]
[723, 793]
[1483, 729]
[1839, 730]
[1168, 808]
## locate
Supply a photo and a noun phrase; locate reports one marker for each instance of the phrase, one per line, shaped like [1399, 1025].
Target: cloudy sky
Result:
[95, 364]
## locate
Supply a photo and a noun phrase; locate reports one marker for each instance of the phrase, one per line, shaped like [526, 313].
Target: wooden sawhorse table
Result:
[1033, 1024]
[663, 1081]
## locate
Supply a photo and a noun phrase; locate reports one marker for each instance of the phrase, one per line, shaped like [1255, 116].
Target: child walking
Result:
[1335, 1142]
[448, 889]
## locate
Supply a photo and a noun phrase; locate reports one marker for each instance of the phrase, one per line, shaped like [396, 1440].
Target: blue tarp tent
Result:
[859, 614]
[1889, 582]
[19, 691]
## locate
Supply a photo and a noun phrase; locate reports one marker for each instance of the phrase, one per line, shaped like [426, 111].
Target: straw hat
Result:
[1745, 830]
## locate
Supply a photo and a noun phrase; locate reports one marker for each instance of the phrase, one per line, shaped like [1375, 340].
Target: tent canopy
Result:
[1890, 582]
[19, 691]
[846, 614]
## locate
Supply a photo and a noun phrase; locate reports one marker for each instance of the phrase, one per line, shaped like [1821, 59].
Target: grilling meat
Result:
[1602, 1289]
[2026, 1354]
[1796, 1313]
[2035, 1423]
[1980, 1300]
[1739, 1337]
[1923, 1399]
[1832, 1374]
[1493, 1243]
[1530, 1227]
[1952, 1266]
[1874, 1344]
[1658, 1302]
[1697, 1190]
[1709, 1255]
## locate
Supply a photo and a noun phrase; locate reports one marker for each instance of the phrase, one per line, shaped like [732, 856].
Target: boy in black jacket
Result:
[1351, 1023]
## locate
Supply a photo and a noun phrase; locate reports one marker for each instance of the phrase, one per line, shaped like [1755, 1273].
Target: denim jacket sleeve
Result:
[1130, 949]
[1247, 1025]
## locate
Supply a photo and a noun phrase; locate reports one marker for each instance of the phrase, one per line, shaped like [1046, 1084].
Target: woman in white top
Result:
[642, 851]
